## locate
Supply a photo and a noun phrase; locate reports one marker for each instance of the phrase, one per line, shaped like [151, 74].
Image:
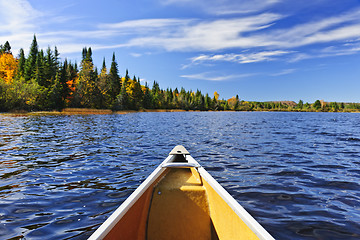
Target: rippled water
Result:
[298, 174]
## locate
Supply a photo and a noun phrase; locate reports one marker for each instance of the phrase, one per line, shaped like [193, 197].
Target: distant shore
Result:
[91, 111]
[86, 111]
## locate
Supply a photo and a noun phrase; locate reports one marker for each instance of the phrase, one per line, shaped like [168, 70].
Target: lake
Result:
[297, 174]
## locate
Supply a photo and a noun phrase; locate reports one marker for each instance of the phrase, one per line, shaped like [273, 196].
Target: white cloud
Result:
[17, 15]
[224, 7]
[240, 58]
[145, 24]
[331, 51]
[17, 22]
[259, 34]
[283, 72]
[209, 35]
[212, 77]
[342, 27]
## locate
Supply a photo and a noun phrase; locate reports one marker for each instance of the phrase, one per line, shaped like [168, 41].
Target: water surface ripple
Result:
[296, 173]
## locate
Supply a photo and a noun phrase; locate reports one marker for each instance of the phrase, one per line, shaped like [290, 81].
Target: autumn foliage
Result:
[8, 66]
[40, 81]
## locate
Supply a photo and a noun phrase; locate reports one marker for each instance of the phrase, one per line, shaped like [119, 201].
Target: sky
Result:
[260, 50]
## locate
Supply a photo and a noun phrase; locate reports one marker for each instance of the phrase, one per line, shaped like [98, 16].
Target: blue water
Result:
[298, 174]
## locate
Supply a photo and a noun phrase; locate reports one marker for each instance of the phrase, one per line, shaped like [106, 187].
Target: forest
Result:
[41, 82]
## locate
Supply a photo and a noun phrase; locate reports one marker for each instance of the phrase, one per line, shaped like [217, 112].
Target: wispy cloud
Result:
[224, 7]
[331, 51]
[283, 72]
[17, 15]
[249, 32]
[240, 58]
[17, 20]
[342, 27]
[208, 76]
[257, 33]
[209, 35]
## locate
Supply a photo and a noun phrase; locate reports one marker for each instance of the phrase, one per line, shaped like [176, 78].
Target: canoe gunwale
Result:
[106, 227]
[235, 206]
[115, 217]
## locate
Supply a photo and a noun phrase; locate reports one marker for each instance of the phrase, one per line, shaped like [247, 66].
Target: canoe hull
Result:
[180, 202]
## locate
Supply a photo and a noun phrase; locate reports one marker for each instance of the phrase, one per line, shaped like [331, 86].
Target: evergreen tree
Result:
[84, 53]
[122, 100]
[155, 91]
[21, 66]
[237, 103]
[103, 68]
[137, 94]
[30, 64]
[39, 70]
[56, 93]
[51, 67]
[64, 78]
[7, 48]
[114, 79]
[89, 55]
[147, 102]
[104, 87]
[86, 87]
[56, 58]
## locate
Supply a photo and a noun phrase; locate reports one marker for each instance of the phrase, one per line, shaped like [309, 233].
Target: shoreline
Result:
[86, 111]
[90, 111]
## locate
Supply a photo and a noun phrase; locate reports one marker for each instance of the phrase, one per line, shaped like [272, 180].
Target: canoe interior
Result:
[180, 204]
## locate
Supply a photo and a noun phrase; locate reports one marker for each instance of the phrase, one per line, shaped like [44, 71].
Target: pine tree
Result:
[138, 95]
[39, 70]
[51, 67]
[7, 48]
[103, 68]
[86, 86]
[56, 94]
[89, 55]
[147, 102]
[114, 79]
[21, 66]
[30, 64]
[84, 53]
[64, 78]
[122, 100]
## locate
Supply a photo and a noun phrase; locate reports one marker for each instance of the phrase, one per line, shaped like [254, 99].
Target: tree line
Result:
[40, 81]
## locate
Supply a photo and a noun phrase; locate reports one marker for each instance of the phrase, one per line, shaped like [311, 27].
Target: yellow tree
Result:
[8, 65]
[216, 96]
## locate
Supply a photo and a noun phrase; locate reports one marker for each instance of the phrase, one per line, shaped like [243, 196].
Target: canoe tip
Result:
[179, 150]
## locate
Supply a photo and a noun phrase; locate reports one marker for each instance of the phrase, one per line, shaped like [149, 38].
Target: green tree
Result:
[6, 48]
[317, 105]
[51, 67]
[122, 100]
[21, 66]
[334, 106]
[86, 94]
[147, 102]
[114, 79]
[300, 104]
[104, 87]
[40, 70]
[56, 93]
[30, 64]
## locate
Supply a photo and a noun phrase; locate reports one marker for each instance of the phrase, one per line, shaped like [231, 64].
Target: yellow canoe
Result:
[180, 200]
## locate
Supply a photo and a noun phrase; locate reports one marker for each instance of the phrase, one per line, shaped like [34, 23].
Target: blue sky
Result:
[262, 50]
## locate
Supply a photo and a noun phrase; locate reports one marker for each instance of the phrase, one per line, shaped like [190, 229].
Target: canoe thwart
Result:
[180, 165]
[179, 150]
